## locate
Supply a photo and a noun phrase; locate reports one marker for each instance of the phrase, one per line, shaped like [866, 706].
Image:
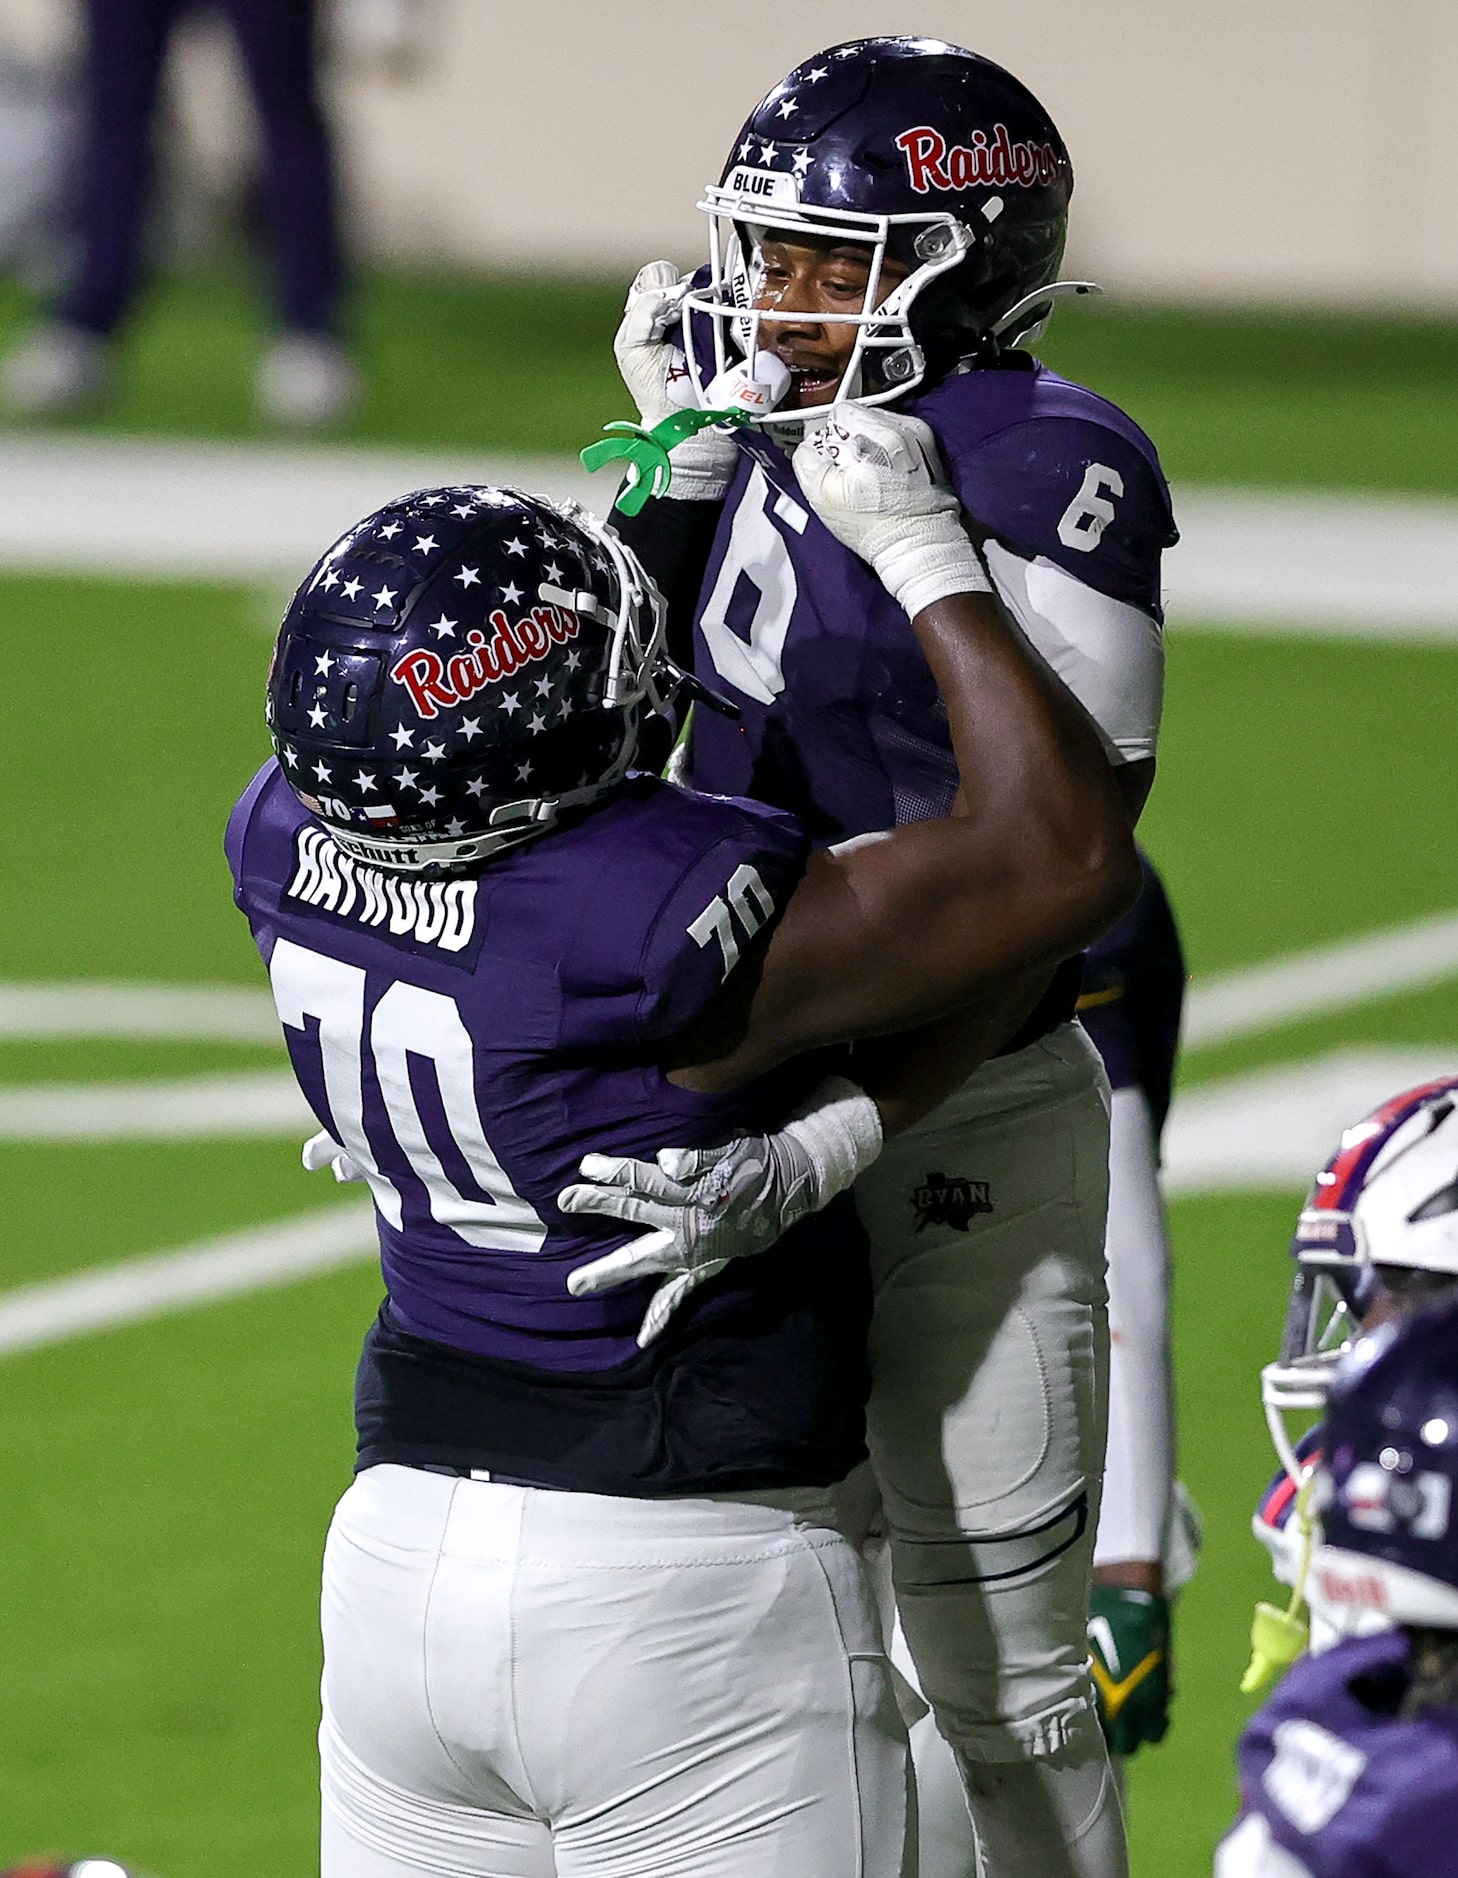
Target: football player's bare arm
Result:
[893, 931]
[883, 935]
[909, 1074]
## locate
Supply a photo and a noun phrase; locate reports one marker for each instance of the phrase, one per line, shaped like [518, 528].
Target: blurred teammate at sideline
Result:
[305, 378]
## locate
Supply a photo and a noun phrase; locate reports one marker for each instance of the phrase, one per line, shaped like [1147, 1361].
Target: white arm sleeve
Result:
[1139, 1473]
[1109, 654]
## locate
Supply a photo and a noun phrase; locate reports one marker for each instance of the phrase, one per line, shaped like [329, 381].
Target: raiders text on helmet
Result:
[460, 668]
[923, 152]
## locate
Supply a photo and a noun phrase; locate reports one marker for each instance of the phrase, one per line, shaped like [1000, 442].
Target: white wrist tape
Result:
[839, 1130]
[930, 558]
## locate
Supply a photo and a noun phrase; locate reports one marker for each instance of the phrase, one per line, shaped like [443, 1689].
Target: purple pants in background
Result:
[127, 46]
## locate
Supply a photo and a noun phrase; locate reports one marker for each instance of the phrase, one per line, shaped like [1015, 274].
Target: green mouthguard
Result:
[645, 452]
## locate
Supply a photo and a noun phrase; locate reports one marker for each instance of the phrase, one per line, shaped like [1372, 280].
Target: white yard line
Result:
[1329, 978]
[246, 1105]
[1267, 1129]
[227, 1267]
[224, 511]
[1252, 560]
[1331, 565]
[1264, 1131]
[1239, 1003]
[142, 1012]
[1273, 1128]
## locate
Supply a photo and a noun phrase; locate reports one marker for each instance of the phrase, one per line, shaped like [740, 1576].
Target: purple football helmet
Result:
[459, 669]
[1385, 1492]
[920, 151]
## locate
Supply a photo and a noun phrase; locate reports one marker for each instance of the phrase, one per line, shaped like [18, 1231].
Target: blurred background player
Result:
[888, 229]
[1352, 1766]
[1130, 1004]
[487, 945]
[1369, 1247]
[305, 378]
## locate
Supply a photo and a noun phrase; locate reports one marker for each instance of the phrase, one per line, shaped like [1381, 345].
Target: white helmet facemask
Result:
[1386, 1202]
[1320, 1326]
[738, 226]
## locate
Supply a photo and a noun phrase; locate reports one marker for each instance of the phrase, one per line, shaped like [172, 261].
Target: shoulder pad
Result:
[694, 880]
[242, 816]
[1053, 470]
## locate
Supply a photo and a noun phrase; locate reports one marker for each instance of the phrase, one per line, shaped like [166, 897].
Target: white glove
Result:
[706, 1206]
[322, 1150]
[873, 478]
[655, 372]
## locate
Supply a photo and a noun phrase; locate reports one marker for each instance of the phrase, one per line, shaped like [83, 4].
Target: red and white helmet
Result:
[1380, 1222]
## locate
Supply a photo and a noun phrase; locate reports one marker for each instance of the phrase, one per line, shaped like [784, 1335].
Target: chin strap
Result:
[1278, 1637]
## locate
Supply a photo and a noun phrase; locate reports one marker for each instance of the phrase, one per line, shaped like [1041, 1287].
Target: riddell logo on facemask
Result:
[991, 161]
[434, 682]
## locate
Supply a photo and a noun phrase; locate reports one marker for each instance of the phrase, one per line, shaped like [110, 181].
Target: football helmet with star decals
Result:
[459, 669]
[1380, 1227]
[926, 154]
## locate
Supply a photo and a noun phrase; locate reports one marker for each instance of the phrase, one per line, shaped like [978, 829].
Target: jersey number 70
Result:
[407, 1021]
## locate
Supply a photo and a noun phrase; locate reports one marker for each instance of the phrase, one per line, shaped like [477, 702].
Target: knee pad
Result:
[975, 1559]
[997, 1628]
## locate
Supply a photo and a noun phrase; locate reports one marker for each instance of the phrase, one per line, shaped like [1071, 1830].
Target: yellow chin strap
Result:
[1278, 1637]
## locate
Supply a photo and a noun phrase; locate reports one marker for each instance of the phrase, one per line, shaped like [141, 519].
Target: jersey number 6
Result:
[756, 554]
[1090, 512]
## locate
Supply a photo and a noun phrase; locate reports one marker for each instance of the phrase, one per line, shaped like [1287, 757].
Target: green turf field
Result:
[166, 1487]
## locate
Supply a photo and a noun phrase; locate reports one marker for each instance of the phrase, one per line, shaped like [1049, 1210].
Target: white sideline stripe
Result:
[147, 1013]
[1272, 1128]
[1300, 561]
[227, 1267]
[1330, 978]
[251, 1105]
[224, 511]
[1265, 1130]
[1253, 560]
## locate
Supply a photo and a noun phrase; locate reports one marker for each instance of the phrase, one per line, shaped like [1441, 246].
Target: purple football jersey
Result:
[469, 1039]
[840, 720]
[1344, 1783]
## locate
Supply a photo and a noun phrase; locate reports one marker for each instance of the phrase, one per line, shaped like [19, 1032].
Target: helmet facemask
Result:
[1378, 1237]
[1321, 1321]
[886, 361]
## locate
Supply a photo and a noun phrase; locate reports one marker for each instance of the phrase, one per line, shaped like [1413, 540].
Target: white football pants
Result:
[527, 1684]
[989, 1357]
